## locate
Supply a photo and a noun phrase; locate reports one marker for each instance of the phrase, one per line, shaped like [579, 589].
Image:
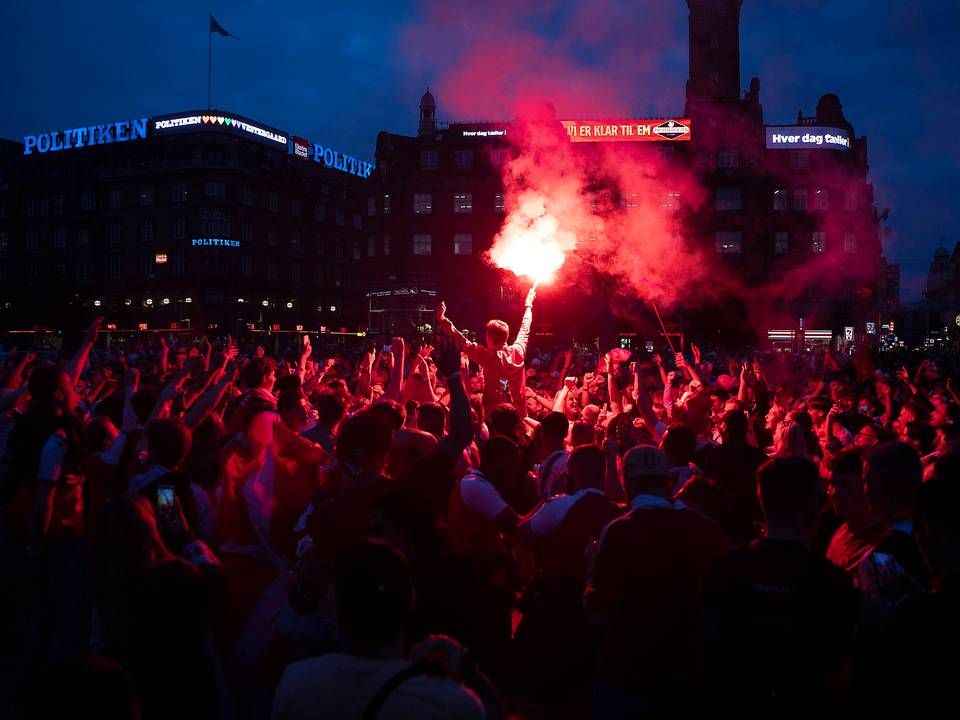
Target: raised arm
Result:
[642, 401]
[447, 357]
[523, 334]
[397, 350]
[202, 407]
[79, 361]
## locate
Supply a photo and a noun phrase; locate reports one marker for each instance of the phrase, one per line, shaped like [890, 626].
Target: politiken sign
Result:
[220, 121]
[84, 136]
[627, 130]
[807, 137]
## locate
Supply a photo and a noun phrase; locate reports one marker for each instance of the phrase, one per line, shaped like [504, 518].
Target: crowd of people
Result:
[466, 530]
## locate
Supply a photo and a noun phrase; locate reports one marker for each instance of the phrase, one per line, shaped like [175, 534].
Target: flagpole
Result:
[209, 62]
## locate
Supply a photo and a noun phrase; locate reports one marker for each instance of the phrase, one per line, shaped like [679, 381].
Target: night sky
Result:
[337, 73]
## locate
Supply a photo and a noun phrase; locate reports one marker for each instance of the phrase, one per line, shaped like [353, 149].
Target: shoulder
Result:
[428, 697]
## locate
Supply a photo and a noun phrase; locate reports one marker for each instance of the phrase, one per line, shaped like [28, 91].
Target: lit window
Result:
[422, 203]
[498, 203]
[780, 199]
[781, 243]
[728, 199]
[422, 244]
[463, 159]
[463, 203]
[849, 242]
[463, 244]
[823, 202]
[728, 158]
[819, 242]
[429, 158]
[800, 199]
[729, 242]
[386, 204]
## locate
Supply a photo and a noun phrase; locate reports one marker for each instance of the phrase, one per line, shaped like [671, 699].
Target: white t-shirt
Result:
[548, 516]
[339, 687]
[480, 495]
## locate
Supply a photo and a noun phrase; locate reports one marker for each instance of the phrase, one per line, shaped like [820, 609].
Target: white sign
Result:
[848, 334]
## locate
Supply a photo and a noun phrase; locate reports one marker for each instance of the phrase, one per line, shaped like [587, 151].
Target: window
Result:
[338, 249]
[319, 212]
[463, 203]
[179, 227]
[214, 189]
[318, 275]
[728, 199]
[214, 223]
[318, 245]
[498, 157]
[178, 263]
[429, 158]
[295, 273]
[146, 230]
[4, 241]
[180, 192]
[422, 244]
[60, 269]
[800, 199]
[271, 269]
[295, 242]
[340, 217]
[386, 245]
[146, 197]
[371, 206]
[371, 246]
[296, 208]
[728, 158]
[3, 208]
[355, 247]
[113, 199]
[44, 206]
[3, 272]
[463, 159]
[88, 200]
[59, 238]
[386, 204]
[822, 199]
[146, 264]
[272, 236]
[463, 244]
[781, 242]
[113, 233]
[671, 200]
[422, 203]
[58, 204]
[33, 240]
[246, 265]
[83, 237]
[246, 230]
[246, 195]
[780, 199]
[273, 202]
[324, 189]
[630, 200]
[113, 267]
[214, 157]
[498, 203]
[729, 242]
[357, 221]
[849, 242]
[799, 159]
[852, 200]
[819, 242]
[31, 208]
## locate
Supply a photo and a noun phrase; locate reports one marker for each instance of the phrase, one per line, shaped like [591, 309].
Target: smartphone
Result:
[165, 498]
[388, 347]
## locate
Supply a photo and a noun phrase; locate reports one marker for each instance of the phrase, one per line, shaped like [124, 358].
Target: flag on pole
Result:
[216, 27]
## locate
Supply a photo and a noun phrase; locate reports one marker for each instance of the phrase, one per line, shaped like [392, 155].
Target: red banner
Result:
[669, 130]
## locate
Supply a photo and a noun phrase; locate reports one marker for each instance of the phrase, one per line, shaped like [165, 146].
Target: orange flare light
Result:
[531, 243]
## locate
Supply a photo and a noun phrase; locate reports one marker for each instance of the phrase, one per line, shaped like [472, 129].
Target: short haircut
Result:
[586, 468]
[847, 462]
[555, 425]
[288, 383]
[583, 433]
[168, 441]
[288, 400]
[505, 420]
[364, 438]
[330, 407]
[788, 485]
[680, 443]
[431, 418]
[391, 411]
[258, 370]
[374, 592]
[892, 473]
[498, 332]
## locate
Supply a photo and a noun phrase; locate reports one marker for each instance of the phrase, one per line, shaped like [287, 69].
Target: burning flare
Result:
[531, 243]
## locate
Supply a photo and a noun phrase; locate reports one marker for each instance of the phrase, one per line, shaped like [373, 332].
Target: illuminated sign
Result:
[627, 130]
[871, 328]
[188, 122]
[806, 137]
[160, 258]
[301, 147]
[484, 133]
[214, 242]
[85, 136]
[848, 334]
[339, 161]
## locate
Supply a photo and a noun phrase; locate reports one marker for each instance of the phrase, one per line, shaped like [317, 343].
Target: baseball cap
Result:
[645, 460]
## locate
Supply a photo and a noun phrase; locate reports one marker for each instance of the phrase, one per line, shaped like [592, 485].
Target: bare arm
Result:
[398, 349]
[211, 397]
[79, 361]
[523, 334]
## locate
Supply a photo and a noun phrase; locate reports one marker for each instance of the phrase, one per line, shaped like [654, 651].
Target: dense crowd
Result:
[460, 529]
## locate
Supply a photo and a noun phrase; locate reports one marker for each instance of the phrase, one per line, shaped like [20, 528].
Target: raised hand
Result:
[570, 383]
[696, 353]
[679, 360]
[94, 328]
[425, 350]
[441, 311]
[531, 296]
[446, 355]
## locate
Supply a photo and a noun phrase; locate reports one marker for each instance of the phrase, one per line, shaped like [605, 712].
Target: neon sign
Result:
[85, 136]
[214, 242]
[806, 137]
[301, 147]
[339, 161]
[627, 130]
[230, 123]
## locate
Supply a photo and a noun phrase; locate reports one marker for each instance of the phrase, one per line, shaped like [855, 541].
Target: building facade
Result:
[198, 220]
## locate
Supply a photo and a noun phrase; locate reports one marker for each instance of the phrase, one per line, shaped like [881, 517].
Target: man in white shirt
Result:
[371, 677]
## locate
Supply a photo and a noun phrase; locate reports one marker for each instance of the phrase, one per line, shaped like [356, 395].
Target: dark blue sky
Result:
[338, 72]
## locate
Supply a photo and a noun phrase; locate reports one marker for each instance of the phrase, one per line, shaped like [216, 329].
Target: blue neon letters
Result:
[84, 136]
[337, 160]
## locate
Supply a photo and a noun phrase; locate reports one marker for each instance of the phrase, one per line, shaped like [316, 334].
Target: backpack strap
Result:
[387, 689]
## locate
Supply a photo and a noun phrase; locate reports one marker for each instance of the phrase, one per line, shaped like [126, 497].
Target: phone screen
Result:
[165, 498]
[387, 347]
